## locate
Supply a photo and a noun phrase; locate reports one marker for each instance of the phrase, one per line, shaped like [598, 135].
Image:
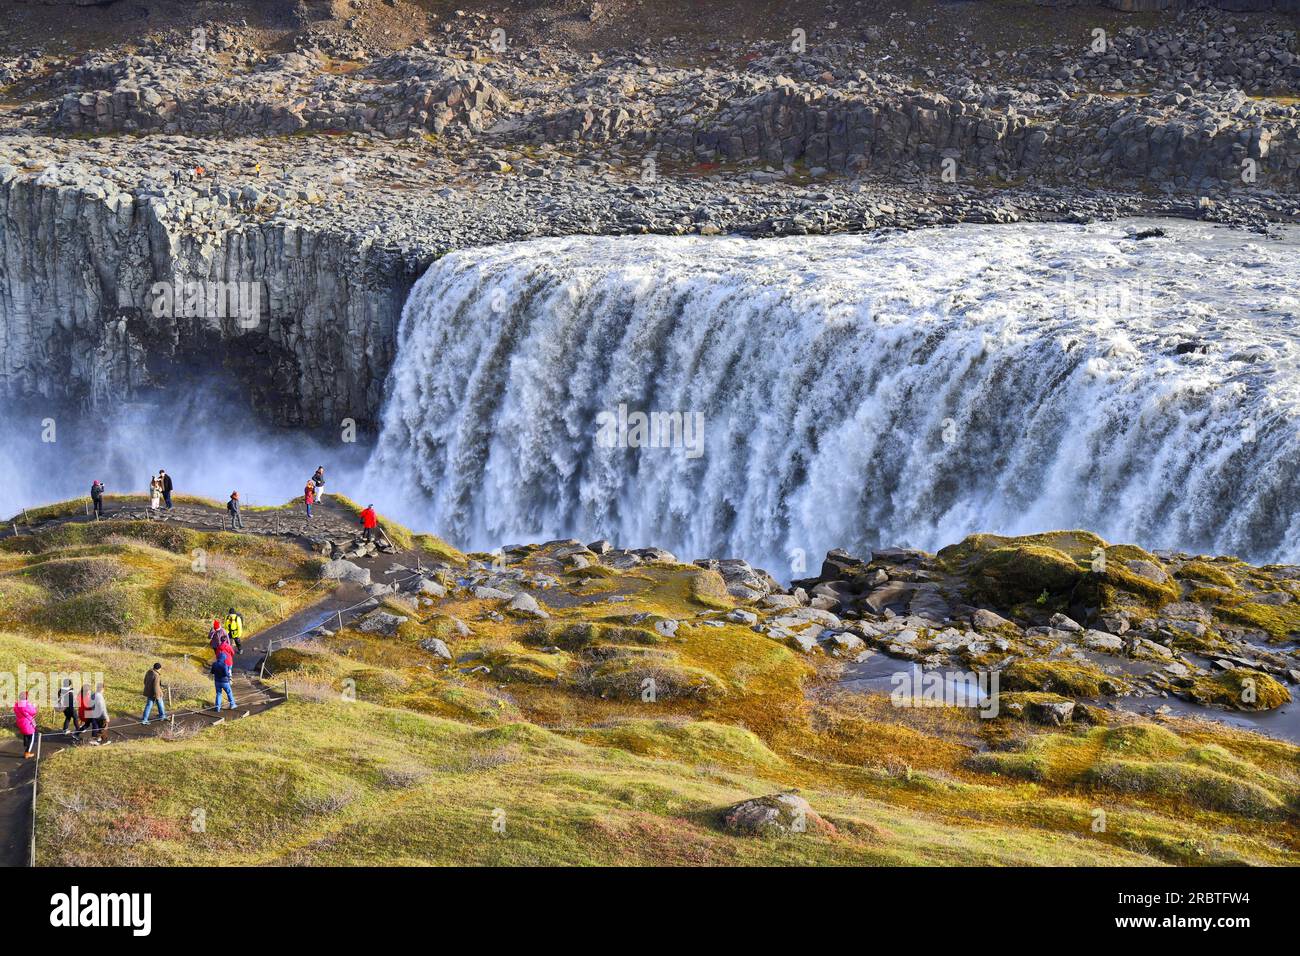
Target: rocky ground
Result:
[327, 154]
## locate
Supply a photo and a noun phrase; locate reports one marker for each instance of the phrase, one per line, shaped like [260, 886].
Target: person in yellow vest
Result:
[235, 628]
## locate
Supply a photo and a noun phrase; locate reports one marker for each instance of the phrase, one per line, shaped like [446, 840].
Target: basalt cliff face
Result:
[96, 293]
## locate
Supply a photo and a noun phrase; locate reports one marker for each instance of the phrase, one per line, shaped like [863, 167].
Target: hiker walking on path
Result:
[221, 681]
[368, 521]
[318, 479]
[153, 694]
[236, 522]
[155, 493]
[166, 488]
[85, 704]
[226, 653]
[25, 712]
[217, 635]
[309, 497]
[235, 628]
[97, 498]
[99, 716]
[68, 704]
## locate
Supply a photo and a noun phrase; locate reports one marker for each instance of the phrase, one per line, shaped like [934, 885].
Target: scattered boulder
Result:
[436, 647]
[773, 815]
[341, 570]
[524, 604]
[382, 622]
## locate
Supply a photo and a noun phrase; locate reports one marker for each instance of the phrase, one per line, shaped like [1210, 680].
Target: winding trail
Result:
[252, 694]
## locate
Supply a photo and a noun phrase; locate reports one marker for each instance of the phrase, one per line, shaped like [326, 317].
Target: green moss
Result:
[1141, 740]
[709, 589]
[1280, 621]
[693, 741]
[1199, 785]
[1008, 576]
[116, 609]
[633, 678]
[1014, 766]
[1071, 680]
[580, 635]
[1241, 690]
[1205, 571]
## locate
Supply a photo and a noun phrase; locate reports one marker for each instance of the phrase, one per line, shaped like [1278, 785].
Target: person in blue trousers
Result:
[221, 678]
[153, 694]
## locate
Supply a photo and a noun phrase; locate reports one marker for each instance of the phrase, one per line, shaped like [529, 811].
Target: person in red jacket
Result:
[309, 497]
[227, 653]
[368, 522]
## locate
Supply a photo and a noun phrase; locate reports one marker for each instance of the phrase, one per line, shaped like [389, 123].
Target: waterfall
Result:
[909, 388]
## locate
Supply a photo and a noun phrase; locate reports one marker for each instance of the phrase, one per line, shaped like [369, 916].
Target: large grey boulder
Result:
[381, 622]
[341, 570]
[524, 604]
[773, 815]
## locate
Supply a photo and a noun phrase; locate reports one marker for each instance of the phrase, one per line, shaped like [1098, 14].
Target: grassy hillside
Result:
[388, 753]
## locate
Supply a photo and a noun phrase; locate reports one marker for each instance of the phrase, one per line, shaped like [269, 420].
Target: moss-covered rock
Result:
[1241, 690]
[636, 678]
[1058, 677]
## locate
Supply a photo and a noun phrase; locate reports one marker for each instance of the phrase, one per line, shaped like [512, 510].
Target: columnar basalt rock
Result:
[80, 298]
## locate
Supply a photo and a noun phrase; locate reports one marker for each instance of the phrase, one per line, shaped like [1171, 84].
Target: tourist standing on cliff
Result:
[97, 498]
[155, 493]
[236, 522]
[318, 480]
[368, 521]
[166, 488]
[309, 497]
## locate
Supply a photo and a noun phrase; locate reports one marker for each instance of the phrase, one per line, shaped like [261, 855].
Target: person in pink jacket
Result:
[25, 711]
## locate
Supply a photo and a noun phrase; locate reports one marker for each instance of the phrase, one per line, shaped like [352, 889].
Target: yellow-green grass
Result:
[121, 666]
[333, 782]
[387, 754]
[148, 584]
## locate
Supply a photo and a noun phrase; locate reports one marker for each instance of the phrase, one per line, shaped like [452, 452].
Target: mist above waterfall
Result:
[853, 391]
[209, 444]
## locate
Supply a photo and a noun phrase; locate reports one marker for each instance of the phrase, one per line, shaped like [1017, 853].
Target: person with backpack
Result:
[25, 713]
[217, 636]
[166, 488]
[221, 681]
[235, 628]
[236, 522]
[368, 522]
[309, 497]
[68, 704]
[97, 498]
[99, 716]
[153, 694]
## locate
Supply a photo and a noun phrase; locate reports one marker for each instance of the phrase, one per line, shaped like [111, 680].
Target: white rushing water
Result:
[902, 389]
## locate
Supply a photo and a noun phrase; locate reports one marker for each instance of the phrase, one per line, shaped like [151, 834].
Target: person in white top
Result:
[99, 716]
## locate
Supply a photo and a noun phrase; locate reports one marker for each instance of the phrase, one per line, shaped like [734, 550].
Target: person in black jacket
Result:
[97, 497]
[166, 487]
